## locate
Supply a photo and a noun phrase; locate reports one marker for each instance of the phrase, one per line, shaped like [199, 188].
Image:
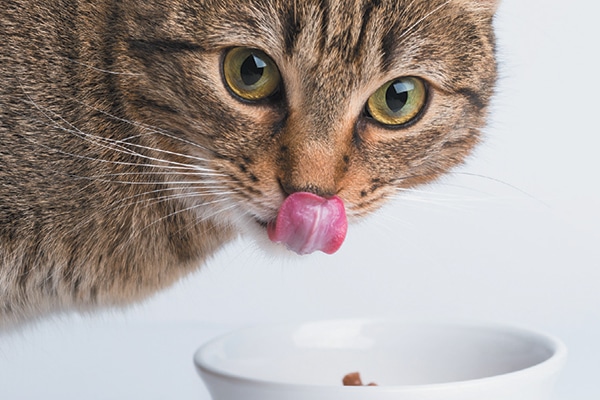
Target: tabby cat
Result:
[139, 137]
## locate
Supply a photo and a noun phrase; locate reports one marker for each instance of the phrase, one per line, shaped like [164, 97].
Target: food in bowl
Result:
[353, 379]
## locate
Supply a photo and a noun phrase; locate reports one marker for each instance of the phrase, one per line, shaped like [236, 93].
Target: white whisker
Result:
[176, 166]
[150, 129]
[503, 183]
[416, 202]
[145, 202]
[191, 208]
[115, 145]
[159, 173]
[179, 196]
[213, 215]
[171, 189]
[446, 197]
[113, 162]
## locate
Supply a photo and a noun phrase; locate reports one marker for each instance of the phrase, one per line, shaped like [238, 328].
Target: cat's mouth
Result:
[307, 223]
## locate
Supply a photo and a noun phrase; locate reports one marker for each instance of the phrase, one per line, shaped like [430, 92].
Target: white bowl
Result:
[408, 361]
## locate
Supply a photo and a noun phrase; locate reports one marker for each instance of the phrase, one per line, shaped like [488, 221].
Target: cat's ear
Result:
[487, 6]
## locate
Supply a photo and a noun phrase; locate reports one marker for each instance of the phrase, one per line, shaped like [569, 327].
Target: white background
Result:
[513, 236]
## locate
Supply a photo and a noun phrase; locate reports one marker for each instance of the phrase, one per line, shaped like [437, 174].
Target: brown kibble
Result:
[353, 379]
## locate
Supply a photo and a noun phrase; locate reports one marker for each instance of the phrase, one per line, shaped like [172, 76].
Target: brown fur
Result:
[106, 106]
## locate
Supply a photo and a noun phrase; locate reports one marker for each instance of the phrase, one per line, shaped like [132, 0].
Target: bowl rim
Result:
[547, 367]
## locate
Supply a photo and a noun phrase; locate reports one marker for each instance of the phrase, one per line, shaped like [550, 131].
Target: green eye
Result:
[398, 102]
[251, 74]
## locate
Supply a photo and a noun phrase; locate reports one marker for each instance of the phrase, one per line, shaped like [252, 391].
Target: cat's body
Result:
[126, 160]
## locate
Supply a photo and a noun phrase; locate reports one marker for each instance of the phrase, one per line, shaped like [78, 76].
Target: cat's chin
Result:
[270, 248]
[256, 230]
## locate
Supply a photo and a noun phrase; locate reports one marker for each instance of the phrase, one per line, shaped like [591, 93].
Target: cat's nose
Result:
[313, 159]
[311, 171]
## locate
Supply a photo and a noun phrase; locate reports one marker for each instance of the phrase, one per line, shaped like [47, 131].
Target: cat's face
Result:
[354, 98]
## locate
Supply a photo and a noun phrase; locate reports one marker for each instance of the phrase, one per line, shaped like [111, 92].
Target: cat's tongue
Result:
[307, 223]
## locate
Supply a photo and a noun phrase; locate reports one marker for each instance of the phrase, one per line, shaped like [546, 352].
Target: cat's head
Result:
[347, 98]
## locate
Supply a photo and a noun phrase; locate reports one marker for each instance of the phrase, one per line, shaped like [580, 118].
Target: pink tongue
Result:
[307, 223]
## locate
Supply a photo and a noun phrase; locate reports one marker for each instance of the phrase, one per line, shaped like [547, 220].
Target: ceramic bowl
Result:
[408, 361]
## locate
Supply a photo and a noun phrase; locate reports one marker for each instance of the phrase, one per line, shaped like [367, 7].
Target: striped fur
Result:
[125, 162]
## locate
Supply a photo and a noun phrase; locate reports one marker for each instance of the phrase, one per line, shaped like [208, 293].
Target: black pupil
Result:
[252, 69]
[396, 96]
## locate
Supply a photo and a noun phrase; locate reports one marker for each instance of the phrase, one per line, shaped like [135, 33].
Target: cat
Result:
[139, 137]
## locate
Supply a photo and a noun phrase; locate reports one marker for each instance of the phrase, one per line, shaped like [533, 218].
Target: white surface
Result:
[473, 246]
[407, 360]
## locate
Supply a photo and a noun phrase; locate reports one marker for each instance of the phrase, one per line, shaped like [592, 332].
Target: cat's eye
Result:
[398, 102]
[251, 74]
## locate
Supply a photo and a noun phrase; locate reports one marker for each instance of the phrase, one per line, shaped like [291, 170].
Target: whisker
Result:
[416, 202]
[145, 202]
[118, 142]
[191, 208]
[504, 183]
[146, 183]
[116, 145]
[158, 173]
[178, 166]
[190, 195]
[399, 180]
[149, 128]
[418, 195]
[444, 196]
[100, 160]
[213, 215]
[466, 188]
[170, 189]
